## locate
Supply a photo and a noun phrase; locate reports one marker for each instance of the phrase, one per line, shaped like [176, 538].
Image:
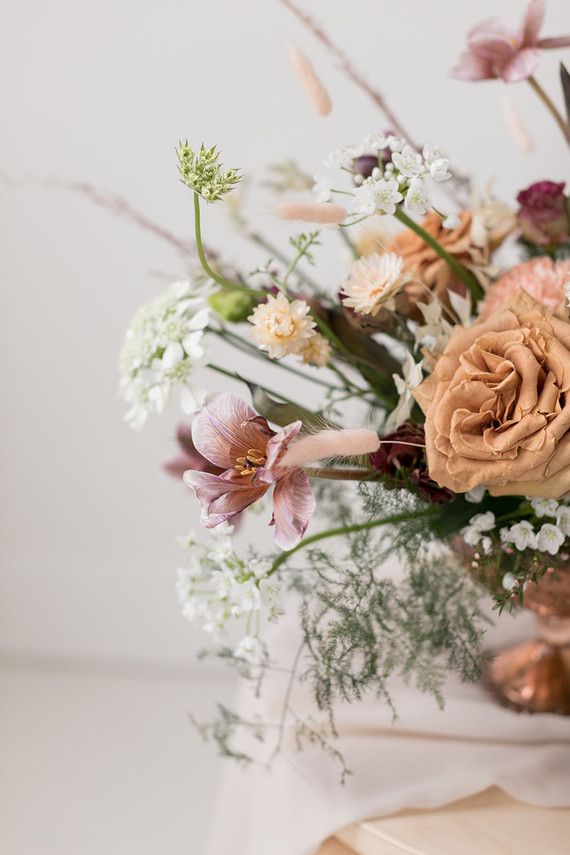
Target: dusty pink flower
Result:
[541, 277]
[497, 50]
[543, 215]
[230, 435]
[189, 457]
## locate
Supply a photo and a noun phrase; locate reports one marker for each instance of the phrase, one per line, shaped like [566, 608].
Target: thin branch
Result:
[351, 72]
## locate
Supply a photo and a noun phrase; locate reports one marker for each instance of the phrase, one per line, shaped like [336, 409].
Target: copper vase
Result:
[535, 677]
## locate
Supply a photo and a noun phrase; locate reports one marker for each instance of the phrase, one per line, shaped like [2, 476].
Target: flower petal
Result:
[226, 428]
[293, 505]
[521, 66]
[554, 42]
[532, 22]
[221, 496]
[276, 448]
[471, 66]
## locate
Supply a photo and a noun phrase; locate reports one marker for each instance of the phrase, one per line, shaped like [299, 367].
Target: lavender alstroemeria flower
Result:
[233, 437]
[497, 50]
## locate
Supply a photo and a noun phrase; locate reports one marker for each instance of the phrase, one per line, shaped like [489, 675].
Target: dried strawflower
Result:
[373, 283]
[316, 351]
[281, 327]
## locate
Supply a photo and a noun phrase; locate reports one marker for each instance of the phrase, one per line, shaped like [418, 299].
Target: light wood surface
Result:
[489, 823]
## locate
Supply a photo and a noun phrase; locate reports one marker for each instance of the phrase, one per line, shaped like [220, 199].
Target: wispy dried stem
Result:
[353, 73]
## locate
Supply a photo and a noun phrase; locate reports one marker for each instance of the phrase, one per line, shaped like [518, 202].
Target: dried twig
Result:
[353, 73]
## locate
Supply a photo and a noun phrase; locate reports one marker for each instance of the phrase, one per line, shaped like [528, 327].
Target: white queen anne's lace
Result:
[162, 348]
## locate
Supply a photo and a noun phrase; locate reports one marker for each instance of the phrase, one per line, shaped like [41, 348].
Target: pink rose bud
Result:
[543, 215]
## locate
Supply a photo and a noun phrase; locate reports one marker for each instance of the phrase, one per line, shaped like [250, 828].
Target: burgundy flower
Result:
[402, 457]
[543, 215]
[497, 50]
[189, 457]
[247, 452]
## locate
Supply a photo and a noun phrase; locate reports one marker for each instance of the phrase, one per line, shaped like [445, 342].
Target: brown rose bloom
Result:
[431, 272]
[497, 404]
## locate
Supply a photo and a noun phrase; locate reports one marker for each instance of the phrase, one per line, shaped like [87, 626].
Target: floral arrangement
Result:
[442, 431]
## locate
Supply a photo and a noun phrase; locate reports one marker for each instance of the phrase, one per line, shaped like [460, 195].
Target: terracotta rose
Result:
[497, 404]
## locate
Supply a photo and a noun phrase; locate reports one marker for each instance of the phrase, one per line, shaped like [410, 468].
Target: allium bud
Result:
[365, 164]
[543, 215]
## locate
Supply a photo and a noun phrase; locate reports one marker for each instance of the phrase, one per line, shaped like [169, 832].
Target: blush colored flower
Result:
[543, 213]
[253, 457]
[316, 351]
[497, 50]
[542, 278]
[373, 283]
[281, 327]
[496, 404]
[189, 457]
[430, 273]
[401, 456]
[233, 437]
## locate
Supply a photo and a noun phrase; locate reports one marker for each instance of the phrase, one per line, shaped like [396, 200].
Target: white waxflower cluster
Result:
[216, 587]
[402, 175]
[474, 533]
[162, 348]
[549, 537]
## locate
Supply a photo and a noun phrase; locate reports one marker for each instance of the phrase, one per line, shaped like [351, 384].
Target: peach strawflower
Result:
[316, 351]
[541, 277]
[373, 283]
[280, 327]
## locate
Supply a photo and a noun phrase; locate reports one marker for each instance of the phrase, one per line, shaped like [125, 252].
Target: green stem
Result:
[459, 269]
[221, 280]
[242, 344]
[234, 376]
[340, 474]
[349, 529]
[551, 107]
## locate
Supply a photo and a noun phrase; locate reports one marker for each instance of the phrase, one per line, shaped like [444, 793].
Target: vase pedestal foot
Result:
[532, 677]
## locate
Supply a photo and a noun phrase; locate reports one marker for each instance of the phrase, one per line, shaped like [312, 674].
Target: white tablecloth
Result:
[425, 759]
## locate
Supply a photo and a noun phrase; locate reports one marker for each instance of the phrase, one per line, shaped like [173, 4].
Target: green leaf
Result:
[283, 414]
[565, 81]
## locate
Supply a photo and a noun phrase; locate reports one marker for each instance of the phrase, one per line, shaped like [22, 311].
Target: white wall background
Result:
[98, 666]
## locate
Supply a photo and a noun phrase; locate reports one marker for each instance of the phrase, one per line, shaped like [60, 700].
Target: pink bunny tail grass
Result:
[515, 126]
[317, 212]
[314, 89]
[349, 442]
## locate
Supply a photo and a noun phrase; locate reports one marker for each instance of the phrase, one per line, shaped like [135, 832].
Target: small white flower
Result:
[522, 535]
[417, 199]
[412, 377]
[476, 495]
[387, 195]
[549, 538]
[408, 162]
[544, 507]
[322, 188]
[435, 332]
[563, 519]
[395, 143]
[567, 292]
[364, 200]
[341, 158]
[437, 162]
[251, 649]
[374, 142]
[509, 582]
[473, 533]
[162, 349]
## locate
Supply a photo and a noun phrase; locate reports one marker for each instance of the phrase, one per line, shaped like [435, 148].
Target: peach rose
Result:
[542, 278]
[497, 404]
